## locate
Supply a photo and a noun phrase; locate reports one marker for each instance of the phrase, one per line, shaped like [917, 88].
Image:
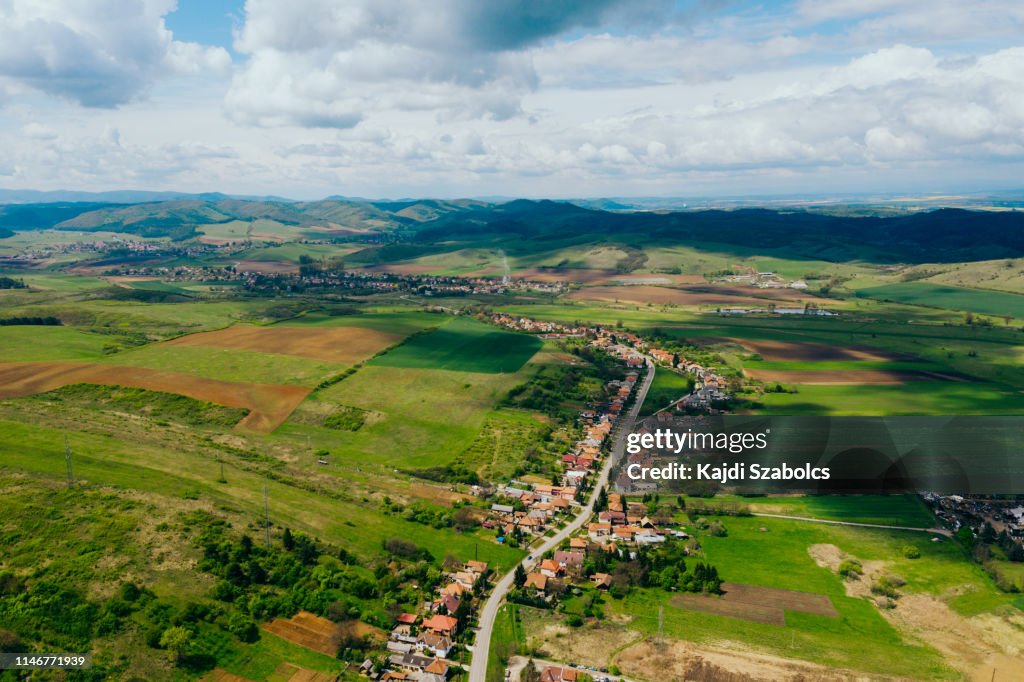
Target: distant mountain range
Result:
[838, 233]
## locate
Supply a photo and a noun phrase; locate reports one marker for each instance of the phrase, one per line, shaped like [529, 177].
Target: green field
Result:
[31, 343]
[889, 510]
[912, 398]
[667, 386]
[464, 345]
[998, 303]
[507, 638]
[228, 364]
[860, 639]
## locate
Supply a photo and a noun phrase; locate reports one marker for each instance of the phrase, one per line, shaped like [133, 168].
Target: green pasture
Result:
[890, 510]
[144, 459]
[911, 398]
[997, 303]
[228, 364]
[31, 343]
[667, 386]
[464, 345]
[860, 638]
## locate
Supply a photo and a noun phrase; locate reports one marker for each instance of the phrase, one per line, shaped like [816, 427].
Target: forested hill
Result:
[943, 235]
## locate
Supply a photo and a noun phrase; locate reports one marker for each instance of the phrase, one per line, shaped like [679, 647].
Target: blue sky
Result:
[209, 22]
[577, 98]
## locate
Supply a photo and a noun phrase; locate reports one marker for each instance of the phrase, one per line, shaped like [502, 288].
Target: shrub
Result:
[911, 552]
[574, 621]
[851, 569]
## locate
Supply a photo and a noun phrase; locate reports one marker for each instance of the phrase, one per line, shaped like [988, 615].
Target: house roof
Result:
[438, 667]
[407, 618]
[441, 623]
[556, 674]
[537, 581]
[550, 565]
[568, 558]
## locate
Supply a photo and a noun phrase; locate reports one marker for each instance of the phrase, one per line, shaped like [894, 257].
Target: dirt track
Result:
[269, 405]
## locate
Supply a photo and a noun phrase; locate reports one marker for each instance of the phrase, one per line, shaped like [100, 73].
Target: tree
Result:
[243, 627]
[530, 673]
[520, 575]
[175, 640]
[988, 533]
[287, 540]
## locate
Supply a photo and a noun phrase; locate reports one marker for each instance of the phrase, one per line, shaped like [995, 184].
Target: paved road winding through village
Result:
[482, 645]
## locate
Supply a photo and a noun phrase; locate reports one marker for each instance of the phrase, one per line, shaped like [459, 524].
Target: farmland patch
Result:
[758, 604]
[320, 634]
[343, 345]
[268, 404]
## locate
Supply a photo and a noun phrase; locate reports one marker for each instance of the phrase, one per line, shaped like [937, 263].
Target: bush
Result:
[851, 569]
[911, 552]
[243, 627]
[574, 621]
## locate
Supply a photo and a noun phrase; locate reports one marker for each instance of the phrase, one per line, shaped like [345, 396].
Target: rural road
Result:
[935, 531]
[482, 644]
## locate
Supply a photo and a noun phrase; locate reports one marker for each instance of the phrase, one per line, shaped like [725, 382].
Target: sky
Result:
[463, 98]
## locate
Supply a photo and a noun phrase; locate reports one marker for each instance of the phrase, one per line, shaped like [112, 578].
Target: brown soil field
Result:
[851, 377]
[719, 606]
[267, 267]
[319, 634]
[344, 345]
[218, 675]
[757, 604]
[269, 404]
[805, 350]
[693, 295]
[294, 673]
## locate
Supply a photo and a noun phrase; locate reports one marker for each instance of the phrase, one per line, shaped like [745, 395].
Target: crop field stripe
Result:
[344, 345]
[269, 404]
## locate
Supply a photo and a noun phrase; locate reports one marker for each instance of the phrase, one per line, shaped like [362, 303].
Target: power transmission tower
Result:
[67, 460]
[266, 512]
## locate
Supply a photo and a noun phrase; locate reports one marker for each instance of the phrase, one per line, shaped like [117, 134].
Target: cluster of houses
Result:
[957, 511]
[528, 508]
[765, 280]
[622, 526]
[420, 643]
[779, 310]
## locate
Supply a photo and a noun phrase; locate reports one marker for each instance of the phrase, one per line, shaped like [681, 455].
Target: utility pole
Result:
[266, 512]
[67, 460]
[661, 623]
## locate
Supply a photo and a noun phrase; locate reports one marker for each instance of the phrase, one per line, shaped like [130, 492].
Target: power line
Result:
[67, 460]
[266, 512]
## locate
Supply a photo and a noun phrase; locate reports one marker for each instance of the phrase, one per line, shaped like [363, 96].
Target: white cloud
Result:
[38, 131]
[99, 53]
[325, 64]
